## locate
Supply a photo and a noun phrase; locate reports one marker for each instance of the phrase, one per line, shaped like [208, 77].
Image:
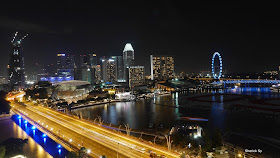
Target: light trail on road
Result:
[98, 140]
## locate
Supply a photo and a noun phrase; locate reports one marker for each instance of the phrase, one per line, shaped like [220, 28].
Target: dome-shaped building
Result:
[73, 89]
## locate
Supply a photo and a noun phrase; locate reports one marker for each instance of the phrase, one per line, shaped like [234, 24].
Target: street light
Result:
[119, 128]
[100, 120]
[155, 139]
[127, 129]
[168, 141]
[141, 135]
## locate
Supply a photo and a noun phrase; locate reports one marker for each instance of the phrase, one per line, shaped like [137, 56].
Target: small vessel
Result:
[275, 88]
[194, 119]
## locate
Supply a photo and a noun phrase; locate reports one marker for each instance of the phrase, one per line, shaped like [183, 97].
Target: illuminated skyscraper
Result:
[128, 57]
[97, 69]
[136, 76]
[109, 69]
[92, 59]
[16, 73]
[70, 61]
[103, 69]
[162, 67]
[120, 69]
[86, 68]
[61, 61]
[65, 65]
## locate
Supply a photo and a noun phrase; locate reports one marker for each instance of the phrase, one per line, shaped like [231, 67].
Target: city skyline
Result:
[139, 79]
[238, 32]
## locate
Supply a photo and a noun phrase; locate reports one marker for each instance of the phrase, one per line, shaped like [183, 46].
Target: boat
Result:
[194, 119]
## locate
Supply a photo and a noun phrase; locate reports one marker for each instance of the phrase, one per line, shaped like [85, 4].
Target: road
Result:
[98, 140]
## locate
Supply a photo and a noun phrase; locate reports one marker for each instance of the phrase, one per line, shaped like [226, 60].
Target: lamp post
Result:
[100, 120]
[141, 135]
[168, 141]
[127, 129]
[155, 139]
[120, 128]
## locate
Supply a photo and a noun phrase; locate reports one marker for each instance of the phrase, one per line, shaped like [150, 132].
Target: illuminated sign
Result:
[60, 55]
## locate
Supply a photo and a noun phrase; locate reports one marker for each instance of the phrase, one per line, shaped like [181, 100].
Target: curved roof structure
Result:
[128, 47]
[73, 83]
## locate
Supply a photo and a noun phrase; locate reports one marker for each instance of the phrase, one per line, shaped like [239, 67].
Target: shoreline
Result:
[93, 104]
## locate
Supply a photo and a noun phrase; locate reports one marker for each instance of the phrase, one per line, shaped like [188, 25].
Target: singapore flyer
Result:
[217, 69]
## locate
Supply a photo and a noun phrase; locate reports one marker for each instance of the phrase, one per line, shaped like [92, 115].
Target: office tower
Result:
[92, 59]
[85, 68]
[108, 69]
[103, 69]
[128, 58]
[162, 67]
[65, 65]
[120, 69]
[83, 61]
[16, 73]
[88, 74]
[70, 61]
[136, 76]
[111, 70]
[97, 73]
[61, 61]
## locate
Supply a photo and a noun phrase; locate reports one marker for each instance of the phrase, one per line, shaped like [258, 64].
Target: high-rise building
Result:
[103, 69]
[92, 59]
[70, 61]
[61, 61]
[162, 67]
[65, 65]
[109, 69]
[87, 74]
[16, 73]
[128, 58]
[120, 69]
[136, 76]
[83, 61]
[97, 69]
[86, 68]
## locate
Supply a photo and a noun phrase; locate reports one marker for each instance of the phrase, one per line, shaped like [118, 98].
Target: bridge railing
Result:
[48, 132]
[257, 81]
[118, 132]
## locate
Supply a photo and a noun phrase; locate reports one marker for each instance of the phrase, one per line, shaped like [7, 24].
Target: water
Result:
[166, 111]
[39, 145]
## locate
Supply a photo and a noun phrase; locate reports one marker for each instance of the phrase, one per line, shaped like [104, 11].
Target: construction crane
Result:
[15, 42]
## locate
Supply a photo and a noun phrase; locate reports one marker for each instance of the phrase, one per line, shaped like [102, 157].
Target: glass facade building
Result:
[162, 67]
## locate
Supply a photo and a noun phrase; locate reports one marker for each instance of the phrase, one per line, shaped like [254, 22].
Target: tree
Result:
[217, 139]
[14, 146]
[2, 151]
[72, 154]
[4, 105]
[183, 155]
[82, 152]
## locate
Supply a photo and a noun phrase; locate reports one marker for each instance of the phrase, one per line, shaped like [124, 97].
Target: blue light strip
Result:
[197, 119]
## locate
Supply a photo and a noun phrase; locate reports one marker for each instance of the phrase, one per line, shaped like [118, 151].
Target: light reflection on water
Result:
[218, 113]
[31, 149]
[162, 110]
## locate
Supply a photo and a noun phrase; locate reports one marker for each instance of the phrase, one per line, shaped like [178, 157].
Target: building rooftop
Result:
[72, 83]
[128, 47]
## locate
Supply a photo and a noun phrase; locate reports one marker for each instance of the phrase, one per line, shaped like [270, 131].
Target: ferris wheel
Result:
[217, 73]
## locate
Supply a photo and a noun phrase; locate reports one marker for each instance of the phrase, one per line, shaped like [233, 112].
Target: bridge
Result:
[246, 81]
[73, 133]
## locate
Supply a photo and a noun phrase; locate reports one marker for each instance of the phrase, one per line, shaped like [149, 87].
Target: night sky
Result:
[246, 35]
